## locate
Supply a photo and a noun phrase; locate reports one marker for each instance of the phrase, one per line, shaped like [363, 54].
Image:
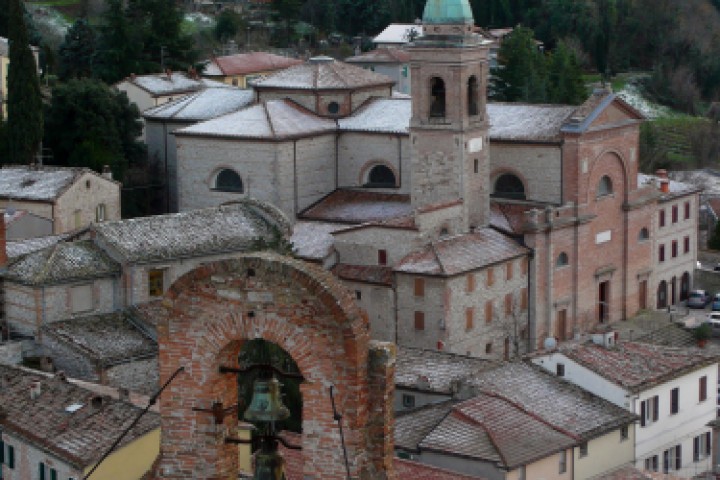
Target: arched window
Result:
[229, 181]
[509, 186]
[381, 176]
[644, 234]
[605, 186]
[662, 295]
[472, 94]
[562, 260]
[437, 97]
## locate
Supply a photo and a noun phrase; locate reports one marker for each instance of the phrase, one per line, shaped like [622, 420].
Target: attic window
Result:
[229, 181]
[87, 183]
[333, 108]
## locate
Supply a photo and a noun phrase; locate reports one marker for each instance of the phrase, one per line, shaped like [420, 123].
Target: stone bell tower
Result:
[449, 126]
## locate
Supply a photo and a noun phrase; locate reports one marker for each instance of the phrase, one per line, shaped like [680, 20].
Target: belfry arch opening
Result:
[437, 97]
[473, 96]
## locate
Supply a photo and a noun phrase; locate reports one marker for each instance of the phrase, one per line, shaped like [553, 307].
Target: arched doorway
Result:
[214, 310]
[662, 295]
[684, 286]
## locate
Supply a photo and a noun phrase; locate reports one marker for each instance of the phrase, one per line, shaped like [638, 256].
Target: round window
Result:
[333, 107]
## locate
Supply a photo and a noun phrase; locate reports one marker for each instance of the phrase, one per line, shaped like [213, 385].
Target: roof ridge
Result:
[269, 119]
[437, 257]
[334, 67]
[44, 271]
[487, 431]
[188, 100]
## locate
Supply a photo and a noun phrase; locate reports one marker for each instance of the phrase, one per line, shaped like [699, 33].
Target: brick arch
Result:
[365, 170]
[303, 309]
[611, 163]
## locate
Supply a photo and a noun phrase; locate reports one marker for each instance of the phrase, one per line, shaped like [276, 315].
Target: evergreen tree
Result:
[566, 84]
[77, 52]
[522, 74]
[25, 121]
[228, 25]
[118, 50]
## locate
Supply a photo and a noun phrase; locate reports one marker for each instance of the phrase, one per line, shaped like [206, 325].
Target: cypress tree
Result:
[25, 121]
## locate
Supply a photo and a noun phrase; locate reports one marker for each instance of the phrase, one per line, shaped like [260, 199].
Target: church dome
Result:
[444, 12]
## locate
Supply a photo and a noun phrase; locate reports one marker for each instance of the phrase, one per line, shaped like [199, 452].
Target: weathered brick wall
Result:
[360, 247]
[315, 167]
[41, 209]
[359, 152]
[310, 315]
[84, 196]
[539, 168]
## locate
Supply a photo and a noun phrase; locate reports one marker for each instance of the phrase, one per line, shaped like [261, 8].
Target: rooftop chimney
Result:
[35, 389]
[106, 172]
[662, 175]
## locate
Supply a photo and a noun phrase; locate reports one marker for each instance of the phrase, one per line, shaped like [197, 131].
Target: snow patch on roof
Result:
[386, 115]
[527, 122]
[205, 105]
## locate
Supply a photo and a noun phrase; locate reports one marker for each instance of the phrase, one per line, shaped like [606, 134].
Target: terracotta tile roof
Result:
[249, 63]
[358, 206]
[78, 437]
[373, 274]
[381, 55]
[176, 83]
[270, 120]
[509, 217]
[19, 248]
[106, 339]
[431, 370]
[638, 366]
[232, 227]
[380, 115]
[522, 122]
[412, 426]
[204, 105]
[409, 470]
[62, 263]
[628, 472]
[314, 240]
[561, 404]
[398, 33]
[714, 204]
[40, 183]
[461, 253]
[323, 73]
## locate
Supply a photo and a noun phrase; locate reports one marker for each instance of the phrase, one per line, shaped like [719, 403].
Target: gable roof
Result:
[79, 437]
[232, 227]
[39, 183]
[204, 105]
[18, 248]
[381, 55]
[380, 115]
[398, 33]
[63, 262]
[584, 116]
[434, 371]
[323, 73]
[248, 63]
[461, 253]
[637, 366]
[170, 84]
[409, 470]
[358, 206]
[412, 426]
[270, 120]
[523, 122]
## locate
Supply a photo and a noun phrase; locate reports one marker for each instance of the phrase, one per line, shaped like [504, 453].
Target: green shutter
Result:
[53, 474]
[42, 471]
[11, 457]
[2, 454]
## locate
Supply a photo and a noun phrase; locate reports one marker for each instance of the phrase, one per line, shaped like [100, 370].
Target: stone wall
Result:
[11, 353]
[77, 206]
[538, 167]
[359, 152]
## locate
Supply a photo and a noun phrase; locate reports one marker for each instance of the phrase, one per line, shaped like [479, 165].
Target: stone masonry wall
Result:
[80, 202]
[27, 459]
[305, 311]
[539, 168]
[359, 152]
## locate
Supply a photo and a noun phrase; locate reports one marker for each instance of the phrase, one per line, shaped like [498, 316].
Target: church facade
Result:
[462, 225]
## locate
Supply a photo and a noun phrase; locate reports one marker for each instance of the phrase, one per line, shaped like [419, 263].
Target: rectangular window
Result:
[661, 253]
[583, 449]
[41, 470]
[470, 285]
[53, 474]
[703, 388]
[358, 295]
[419, 320]
[488, 348]
[674, 248]
[687, 210]
[674, 214]
[672, 459]
[674, 401]
[521, 473]
[100, 213]
[661, 219]
[419, 287]
[651, 464]
[560, 369]
[523, 299]
[490, 277]
[469, 313]
[563, 462]
[701, 447]
[488, 312]
[408, 401]
[624, 433]
[10, 456]
[156, 284]
[81, 298]
[509, 271]
[508, 304]
[686, 245]
[2, 454]
[649, 411]
[382, 257]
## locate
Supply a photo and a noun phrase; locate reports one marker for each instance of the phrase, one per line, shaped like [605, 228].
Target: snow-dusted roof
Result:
[271, 120]
[323, 74]
[61, 263]
[386, 115]
[398, 33]
[41, 183]
[233, 227]
[359, 206]
[204, 105]
[164, 84]
[314, 240]
[4, 46]
[522, 122]
[381, 55]
[248, 63]
[19, 248]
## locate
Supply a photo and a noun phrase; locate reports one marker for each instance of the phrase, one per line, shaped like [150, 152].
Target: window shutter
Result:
[42, 471]
[678, 457]
[656, 401]
[11, 456]
[642, 413]
[53, 474]
[696, 449]
[666, 461]
[708, 446]
[2, 454]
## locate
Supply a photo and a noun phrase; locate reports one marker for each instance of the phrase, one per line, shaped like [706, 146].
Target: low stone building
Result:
[240, 69]
[71, 198]
[57, 430]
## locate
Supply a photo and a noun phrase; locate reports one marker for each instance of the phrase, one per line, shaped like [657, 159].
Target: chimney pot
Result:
[664, 185]
[106, 172]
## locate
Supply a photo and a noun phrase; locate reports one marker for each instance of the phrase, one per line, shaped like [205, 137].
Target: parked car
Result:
[698, 299]
[714, 320]
[715, 305]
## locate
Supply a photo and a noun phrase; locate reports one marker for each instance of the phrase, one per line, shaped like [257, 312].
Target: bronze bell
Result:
[266, 404]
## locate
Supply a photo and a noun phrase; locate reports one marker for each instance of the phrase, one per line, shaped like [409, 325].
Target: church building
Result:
[466, 226]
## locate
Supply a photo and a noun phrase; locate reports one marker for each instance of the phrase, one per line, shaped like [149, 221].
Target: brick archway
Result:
[303, 309]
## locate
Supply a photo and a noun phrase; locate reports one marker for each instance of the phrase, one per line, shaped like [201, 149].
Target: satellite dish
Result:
[550, 343]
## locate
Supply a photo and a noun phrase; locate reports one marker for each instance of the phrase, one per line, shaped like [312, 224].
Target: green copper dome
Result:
[446, 12]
